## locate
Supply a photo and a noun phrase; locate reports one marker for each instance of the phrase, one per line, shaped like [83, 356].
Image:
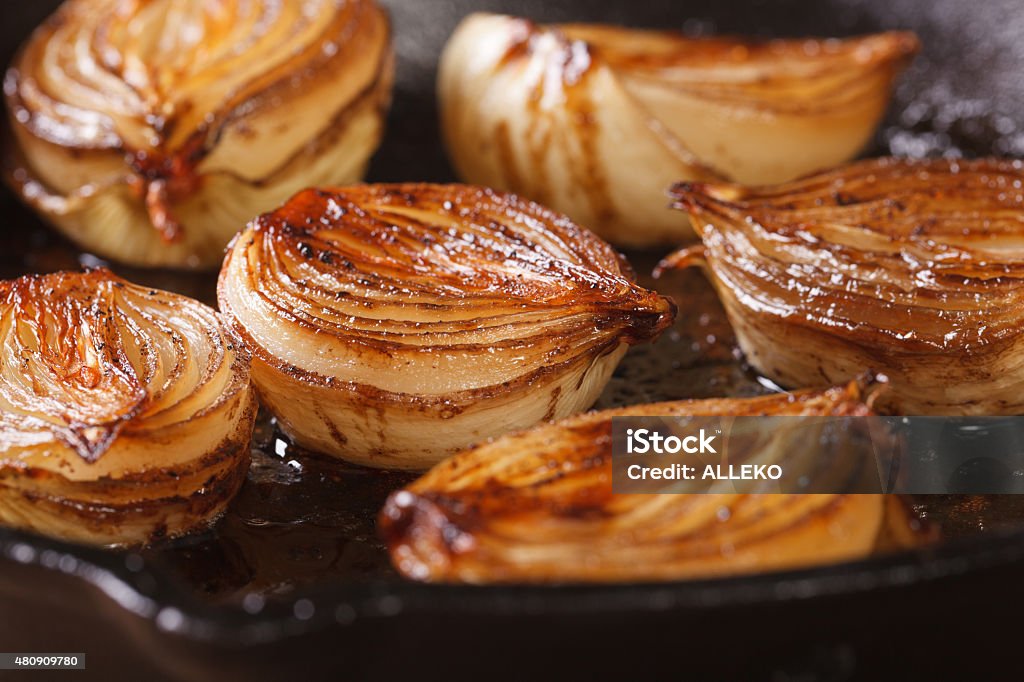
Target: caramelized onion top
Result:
[87, 357]
[791, 75]
[166, 75]
[460, 286]
[923, 256]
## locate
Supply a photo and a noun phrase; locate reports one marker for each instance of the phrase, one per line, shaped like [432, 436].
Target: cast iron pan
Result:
[294, 583]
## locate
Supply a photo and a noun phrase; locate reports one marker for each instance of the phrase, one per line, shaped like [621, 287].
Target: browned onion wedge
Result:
[125, 412]
[538, 506]
[149, 132]
[910, 268]
[598, 121]
[392, 325]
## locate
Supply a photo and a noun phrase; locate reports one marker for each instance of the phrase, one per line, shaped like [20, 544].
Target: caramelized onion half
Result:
[149, 132]
[598, 121]
[538, 506]
[392, 325]
[125, 412]
[914, 269]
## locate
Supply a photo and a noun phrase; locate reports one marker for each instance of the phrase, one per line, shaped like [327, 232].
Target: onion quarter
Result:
[598, 121]
[125, 412]
[538, 507]
[913, 269]
[149, 132]
[392, 325]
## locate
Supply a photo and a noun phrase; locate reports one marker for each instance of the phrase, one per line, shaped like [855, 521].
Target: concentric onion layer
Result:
[538, 506]
[911, 268]
[547, 110]
[149, 131]
[125, 412]
[394, 324]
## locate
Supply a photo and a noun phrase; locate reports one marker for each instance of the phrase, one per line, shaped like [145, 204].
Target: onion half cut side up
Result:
[125, 412]
[914, 269]
[392, 325]
[538, 506]
[598, 121]
[149, 132]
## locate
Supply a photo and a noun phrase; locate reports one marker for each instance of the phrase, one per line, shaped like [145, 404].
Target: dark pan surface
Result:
[296, 566]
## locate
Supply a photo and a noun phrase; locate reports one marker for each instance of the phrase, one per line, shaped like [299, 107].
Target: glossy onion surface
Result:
[149, 131]
[392, 325]
[598, 121]
[914, 269]
[537, 506]
[125, 412]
